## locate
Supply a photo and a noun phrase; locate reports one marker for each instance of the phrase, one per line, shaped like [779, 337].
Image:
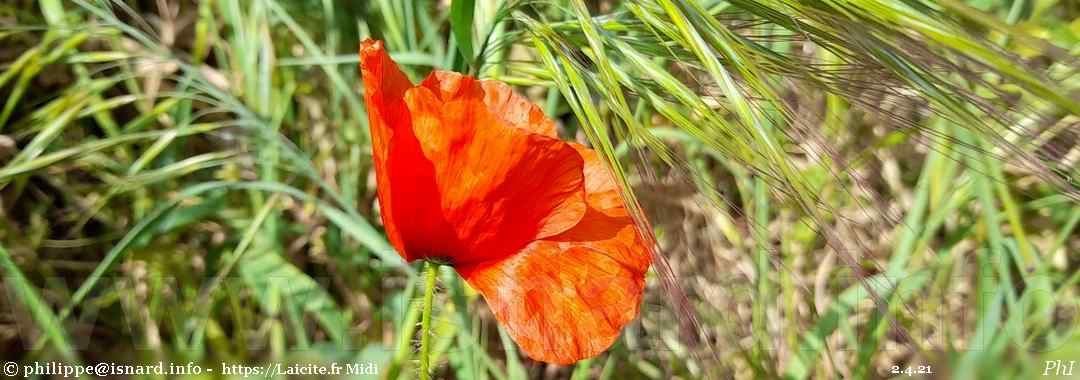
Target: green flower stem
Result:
[431, 269]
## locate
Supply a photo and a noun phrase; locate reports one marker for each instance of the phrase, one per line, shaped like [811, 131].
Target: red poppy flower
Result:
[472, 174]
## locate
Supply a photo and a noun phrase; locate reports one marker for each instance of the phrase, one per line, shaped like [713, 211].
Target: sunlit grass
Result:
[839, 187]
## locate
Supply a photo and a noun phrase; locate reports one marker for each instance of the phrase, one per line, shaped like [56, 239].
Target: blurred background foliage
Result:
[837, 186]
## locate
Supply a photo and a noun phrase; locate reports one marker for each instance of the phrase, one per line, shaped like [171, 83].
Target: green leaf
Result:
[39, 310]
[267, 274]
[461, 23]
[814, 341]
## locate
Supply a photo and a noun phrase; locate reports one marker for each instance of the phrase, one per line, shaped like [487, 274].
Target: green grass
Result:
[838, 187]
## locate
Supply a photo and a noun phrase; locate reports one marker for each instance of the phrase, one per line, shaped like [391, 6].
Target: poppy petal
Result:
[498, 187]
[515, 109]
[384, 95]
[565, 298]
[472, 172]
[600, 186]
[500, 99]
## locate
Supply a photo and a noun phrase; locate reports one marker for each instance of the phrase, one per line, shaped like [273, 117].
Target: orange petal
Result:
[496, 187]
[500, 99]
[384, 96]
[457, 180]
[515, 109]
[566, 297]
[600, 186]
